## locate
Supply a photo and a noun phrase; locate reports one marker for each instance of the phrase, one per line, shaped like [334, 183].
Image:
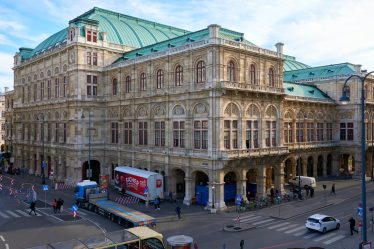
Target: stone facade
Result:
[193, 113]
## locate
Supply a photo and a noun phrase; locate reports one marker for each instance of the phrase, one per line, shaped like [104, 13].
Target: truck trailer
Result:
[143, 184]
[87, 195]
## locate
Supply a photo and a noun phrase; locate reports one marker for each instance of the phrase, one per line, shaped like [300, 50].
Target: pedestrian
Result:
[32, 207]
[248, 196]
[60, 205]
[306, 187]
[333, 189]
[155, 202]
[352, 224]
[159, 202]
[195, 245]
[311, 192]
[171, 196]
[178, 211]
[242, 244]
[54, 205]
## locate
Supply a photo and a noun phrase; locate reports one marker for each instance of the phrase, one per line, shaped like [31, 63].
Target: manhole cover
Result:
[229, 226]
[237, 228]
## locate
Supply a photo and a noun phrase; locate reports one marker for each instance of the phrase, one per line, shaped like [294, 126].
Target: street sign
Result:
[146, 190]
[74, 207]
[359, 211]
[45, 187]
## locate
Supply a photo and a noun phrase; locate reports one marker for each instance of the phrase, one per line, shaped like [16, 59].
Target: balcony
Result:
[311, 145]
[258, 152]
[250, 87]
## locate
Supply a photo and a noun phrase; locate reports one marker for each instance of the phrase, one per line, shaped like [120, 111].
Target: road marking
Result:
[244, 217]
[311, 235]
[83, 213]
[264, 221]
[4, 215]
[2, 238]
[23, 213]
[325, 237]
[37, 214]
[251, 219]
[6, 246]
[287, 227]
[296, 229]
[279, 225]
[301, 233]
[334, 239]
[12, 214]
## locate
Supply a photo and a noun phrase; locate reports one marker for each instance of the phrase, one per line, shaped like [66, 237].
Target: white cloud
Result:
[6, 72]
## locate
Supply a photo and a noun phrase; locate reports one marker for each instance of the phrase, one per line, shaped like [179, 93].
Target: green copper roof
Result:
[319, 72]
[183, 40]
[290, 63]
[304, 91]
[120, 29]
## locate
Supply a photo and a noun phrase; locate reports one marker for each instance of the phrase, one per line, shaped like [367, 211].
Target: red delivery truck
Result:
[140, 183]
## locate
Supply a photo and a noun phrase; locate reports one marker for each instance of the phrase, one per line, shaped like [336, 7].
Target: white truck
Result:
[145, 185]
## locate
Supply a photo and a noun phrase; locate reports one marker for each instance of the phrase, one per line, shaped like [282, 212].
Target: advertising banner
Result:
[104, 183]
[131, 183]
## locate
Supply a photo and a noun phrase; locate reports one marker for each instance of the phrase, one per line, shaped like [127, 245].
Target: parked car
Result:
[304, 181]
[322, 223]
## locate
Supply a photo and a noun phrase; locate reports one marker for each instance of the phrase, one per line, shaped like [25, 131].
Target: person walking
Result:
[170, 196]
[54, 205]
[155, 202]
[178, 211]
[32, 207]
[333, 189]
[159, 202]
[307, 190]
[311, 192]
[352, 224]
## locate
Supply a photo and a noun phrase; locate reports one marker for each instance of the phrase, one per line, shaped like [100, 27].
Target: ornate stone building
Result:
[211, 111]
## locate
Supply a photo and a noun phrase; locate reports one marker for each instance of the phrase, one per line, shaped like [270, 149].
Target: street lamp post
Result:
[299, 138]
[345, 99]
[88, 174]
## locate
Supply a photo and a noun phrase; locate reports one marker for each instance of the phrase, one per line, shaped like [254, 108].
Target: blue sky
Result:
[316, 32]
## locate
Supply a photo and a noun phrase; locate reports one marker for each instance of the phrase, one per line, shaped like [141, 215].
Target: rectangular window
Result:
[49, 132]
[29, 132]
[288, 132]
[310, 131]
[94, 59]
[42, 90]
[226, 134]
[94, 36]
[57, 133]
[91, 85]
[89, 35]
[57, 88]
[329, 131]
[343, 131]
[128, 133]
[49, 89]
[88, 58]
[319, 131]
[65, 132]
[299, 132]
[274, 133]
[350, 131]
[160, 133]
[201, 135]
[23, 131]
[65, 86]
[178, 134]
[143, 133]
[267, 134]
[23, 95]
[114, 132]
[35, 91]
[28, 94]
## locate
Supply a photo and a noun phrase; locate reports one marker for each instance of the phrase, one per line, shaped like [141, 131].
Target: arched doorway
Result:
[320, 166]
[95, 169]
[251, 182]
[178, 177]
[288, 171]
[201, 188]
[230, 187]
[299, 167]
[310, 166]
[329, 165]
[270, 175]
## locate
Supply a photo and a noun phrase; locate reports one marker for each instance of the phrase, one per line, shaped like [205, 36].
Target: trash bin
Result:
[179, 242]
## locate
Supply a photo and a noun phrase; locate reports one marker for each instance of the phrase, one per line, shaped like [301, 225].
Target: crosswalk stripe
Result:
[251, 219]
[334, 239]
[287, 227]
[244, 217]
[261, 222]
[324, 237]
[311, 235]
[12, 214]
[301, 233]
[81, 213]
[279, 225]
[296, 229]
[4, 215]
[23, 213]
[37, 213]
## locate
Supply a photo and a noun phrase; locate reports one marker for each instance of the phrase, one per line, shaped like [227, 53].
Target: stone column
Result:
[241, 186]
[324, 164]
[219, 196]
[279, 177]
[304, 165]
[261, 181]
[315, 165]
[188, 191]
[335, 164]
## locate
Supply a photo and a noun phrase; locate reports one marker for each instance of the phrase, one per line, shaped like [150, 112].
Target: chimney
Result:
[279, 46]
[358, 68]
[6, 88]
[213, 30]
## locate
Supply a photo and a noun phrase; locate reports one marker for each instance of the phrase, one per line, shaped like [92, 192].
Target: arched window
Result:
[231, 71]
[253, 74]
[346, 91]
[271, 77]
[114, 87]
[142, 82]
[128, 84]
[178, 75]
[200, 72]
[160, 79]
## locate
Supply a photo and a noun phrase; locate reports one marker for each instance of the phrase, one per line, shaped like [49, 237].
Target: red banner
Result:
[158, 183]
[104, 182]
[133, 183]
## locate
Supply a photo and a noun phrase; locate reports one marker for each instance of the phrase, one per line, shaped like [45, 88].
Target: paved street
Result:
[281, 226]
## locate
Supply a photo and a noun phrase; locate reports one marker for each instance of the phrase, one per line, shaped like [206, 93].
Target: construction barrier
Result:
[127, 200]
[63, 186]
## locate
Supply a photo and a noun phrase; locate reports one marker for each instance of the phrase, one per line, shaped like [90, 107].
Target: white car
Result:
[322, 223]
